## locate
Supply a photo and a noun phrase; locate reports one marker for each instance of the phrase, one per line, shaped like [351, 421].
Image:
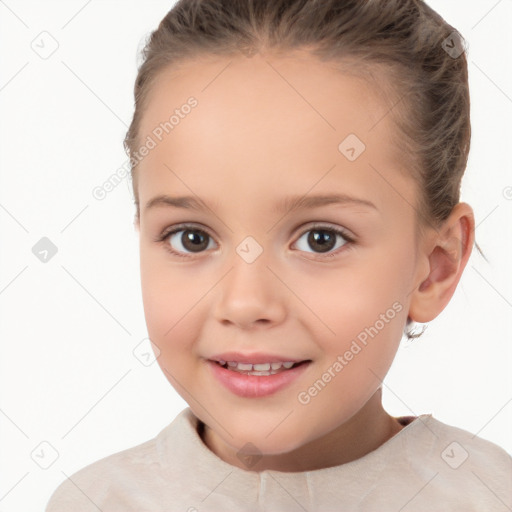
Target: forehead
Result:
[276, 87]
[264, 119]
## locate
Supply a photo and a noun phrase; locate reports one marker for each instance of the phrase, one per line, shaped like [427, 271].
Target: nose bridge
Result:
[249, 279]
[250, 292]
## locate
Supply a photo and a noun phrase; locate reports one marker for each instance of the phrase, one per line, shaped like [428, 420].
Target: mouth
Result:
[259, 369]
[256, 380]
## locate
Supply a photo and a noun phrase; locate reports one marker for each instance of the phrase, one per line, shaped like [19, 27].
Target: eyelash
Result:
[316, 227]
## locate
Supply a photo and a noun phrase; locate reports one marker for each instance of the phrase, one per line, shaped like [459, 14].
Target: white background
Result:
[69, 326]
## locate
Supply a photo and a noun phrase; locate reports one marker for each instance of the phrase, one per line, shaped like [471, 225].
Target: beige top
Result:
[426, 466]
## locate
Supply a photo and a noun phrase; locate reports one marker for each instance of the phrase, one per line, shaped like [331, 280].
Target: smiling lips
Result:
[257, 369]
[252, 383]
[253, 358]
[257, 363]
[257, 374]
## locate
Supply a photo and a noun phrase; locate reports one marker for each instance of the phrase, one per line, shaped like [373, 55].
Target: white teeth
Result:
[260, 368]
[264, 367]
[245, 366]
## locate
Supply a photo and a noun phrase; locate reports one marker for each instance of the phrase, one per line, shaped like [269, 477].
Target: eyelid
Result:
[182, 227]
[326, 225]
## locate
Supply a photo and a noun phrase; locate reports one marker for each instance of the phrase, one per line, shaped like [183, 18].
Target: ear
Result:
[445, 256]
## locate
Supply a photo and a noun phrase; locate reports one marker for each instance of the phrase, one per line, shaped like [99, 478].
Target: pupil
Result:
[193, 241]
[324, 242]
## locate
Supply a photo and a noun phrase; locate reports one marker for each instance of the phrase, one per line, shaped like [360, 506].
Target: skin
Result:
[253, 139]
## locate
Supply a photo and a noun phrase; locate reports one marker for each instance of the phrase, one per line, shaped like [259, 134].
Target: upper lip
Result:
[255, 357]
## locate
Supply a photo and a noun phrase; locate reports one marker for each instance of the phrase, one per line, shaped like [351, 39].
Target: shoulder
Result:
[460, 446]
[452, 460]
[129, 478]
[88, 488]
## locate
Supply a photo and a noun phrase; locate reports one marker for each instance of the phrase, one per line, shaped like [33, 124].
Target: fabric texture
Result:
[426, 466]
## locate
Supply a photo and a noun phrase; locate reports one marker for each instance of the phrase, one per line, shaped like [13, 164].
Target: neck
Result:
[368, 429]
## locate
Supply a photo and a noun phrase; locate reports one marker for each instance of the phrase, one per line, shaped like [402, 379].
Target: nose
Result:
[250, 295]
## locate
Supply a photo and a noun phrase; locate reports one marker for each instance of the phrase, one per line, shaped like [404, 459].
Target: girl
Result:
[296, 170]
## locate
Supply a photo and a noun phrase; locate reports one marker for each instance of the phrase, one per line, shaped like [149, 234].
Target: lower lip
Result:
[254, 386]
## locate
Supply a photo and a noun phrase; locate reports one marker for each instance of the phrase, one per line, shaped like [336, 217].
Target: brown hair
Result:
[417, 57]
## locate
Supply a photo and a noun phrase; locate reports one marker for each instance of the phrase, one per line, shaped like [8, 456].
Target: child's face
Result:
[264, 130]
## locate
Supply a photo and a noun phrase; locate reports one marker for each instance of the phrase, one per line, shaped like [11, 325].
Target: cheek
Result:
[365, 330]
[347, 300]
[169, 297]
[358, 312]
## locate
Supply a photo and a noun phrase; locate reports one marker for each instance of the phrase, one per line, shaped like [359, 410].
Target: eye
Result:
[322, 239]
[185, 240]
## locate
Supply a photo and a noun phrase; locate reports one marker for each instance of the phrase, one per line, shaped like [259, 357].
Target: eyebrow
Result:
[291, 203]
